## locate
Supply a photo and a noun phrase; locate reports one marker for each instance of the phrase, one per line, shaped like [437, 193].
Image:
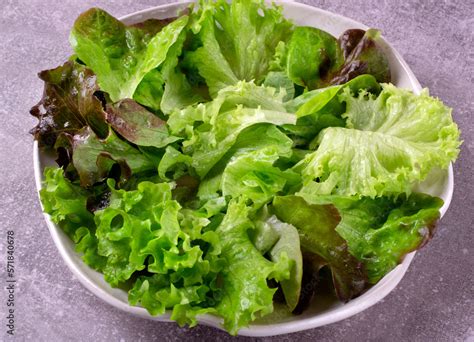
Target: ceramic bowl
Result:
[322, 312]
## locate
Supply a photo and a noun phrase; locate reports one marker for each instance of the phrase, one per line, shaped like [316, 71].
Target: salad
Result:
[219, 161]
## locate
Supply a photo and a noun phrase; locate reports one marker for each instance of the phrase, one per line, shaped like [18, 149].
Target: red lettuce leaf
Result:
[68, 104]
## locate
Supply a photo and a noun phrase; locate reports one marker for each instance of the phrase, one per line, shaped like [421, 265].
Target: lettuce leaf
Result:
[220, 121]
[253, 175]
[381, 231]
[68, 104]
[138, 125]
[66, 203]
[93, 158]
[311, 54]
[363, 54]
[167, 87]
[145, 223]
[251, 139]
[245, 292]
[238, 41]
[392, 141]
[280, 240]
[321, 108]
[120, 56]
[316, 225]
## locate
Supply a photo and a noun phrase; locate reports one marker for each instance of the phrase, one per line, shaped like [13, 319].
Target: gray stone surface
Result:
[432, 303]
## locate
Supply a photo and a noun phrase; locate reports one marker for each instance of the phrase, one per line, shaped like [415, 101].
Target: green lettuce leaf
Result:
[68, 104]
[245, 292]
[178, 91]
[392, 141]
[251, 139]
[281, 240]
[321, 108]
[120, 56]
[381, 231]
[253, 175]
[145, 223]
[316, 225]
[325, 100]
[167, 87]
[238, 41]
[66, 203]
[184, 254]
[311, 54]
[150, 90]
[281, 82]
[220, 121]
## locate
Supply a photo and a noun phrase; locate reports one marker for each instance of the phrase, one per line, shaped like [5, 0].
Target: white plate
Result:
[440, 183]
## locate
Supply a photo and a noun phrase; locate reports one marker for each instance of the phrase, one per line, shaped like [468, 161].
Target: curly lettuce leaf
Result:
[220, 121]
[144, 224]
[321, 108]
[381, 231]
[316, 225]
[120, 56]
[185, 259]
[167, 87]
[66, 204]
[251, 139]
[254, 175]
[245, 292]
[392, 141]
[326, 100]
[178, 91]
[68, 104]
[238, 41]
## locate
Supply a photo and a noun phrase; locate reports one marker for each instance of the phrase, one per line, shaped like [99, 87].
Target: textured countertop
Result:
[434, 302]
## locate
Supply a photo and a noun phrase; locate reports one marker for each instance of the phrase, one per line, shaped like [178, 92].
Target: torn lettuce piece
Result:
[68, 104]
[245, 292]
[120, 56]
[178, 91]
[212, 128]
[167, 88]
[391, 141]
[316, 225]
[175, 162]
[381, 231]
[238, 41]
[327, 100]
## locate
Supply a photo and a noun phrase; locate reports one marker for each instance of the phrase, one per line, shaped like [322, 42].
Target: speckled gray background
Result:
[434, 302]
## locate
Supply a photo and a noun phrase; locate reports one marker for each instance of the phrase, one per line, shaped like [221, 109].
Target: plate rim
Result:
[386, 285]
